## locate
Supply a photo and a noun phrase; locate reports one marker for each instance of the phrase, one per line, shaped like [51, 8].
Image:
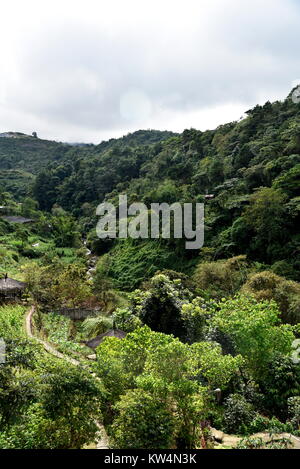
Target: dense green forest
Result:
[211, 334]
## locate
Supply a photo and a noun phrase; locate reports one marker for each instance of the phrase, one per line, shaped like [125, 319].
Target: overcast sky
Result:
[92, 69]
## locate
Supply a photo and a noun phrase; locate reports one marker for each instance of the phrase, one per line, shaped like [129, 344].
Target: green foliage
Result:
[28, 153]
[251, 167]
[266, 215]
[60, 331]
[16, 381]
[94, 326]
[29, 208]
[294, 412]
[133, 261]
[161, 306]
[143, 421]
[194, 316]
[269, 286]
[238, 414]
[121, 361]
[258, 444]
[57, 285]
[11, 321]
[221, 278]
[38, 394]
[125, 320]
[159, 391]
[65, 233]
[16, 181]
[284, 269]
[281, 382]
[35, 431]
[65, 400]
[255, 330]
[215, 368]
[181, 376]
[289, 182]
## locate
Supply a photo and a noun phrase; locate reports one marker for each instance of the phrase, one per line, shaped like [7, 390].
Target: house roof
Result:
[93, 343]
[9, 284]
[16, 219]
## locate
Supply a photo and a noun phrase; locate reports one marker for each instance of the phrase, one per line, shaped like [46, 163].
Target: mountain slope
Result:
[251, 168]
[23, 156]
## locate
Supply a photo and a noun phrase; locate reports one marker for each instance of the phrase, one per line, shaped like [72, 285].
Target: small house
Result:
[10, 289]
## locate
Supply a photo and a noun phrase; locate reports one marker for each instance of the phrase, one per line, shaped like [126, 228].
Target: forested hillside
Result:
[195, 340]
[251, 167]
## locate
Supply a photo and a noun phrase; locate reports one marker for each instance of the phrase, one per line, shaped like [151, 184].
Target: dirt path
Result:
[47, 347]
[102, 441]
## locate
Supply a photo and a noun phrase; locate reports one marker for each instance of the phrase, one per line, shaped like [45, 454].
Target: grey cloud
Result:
[71, 75]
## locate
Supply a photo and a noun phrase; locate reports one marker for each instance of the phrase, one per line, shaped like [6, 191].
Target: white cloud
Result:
[74, 70]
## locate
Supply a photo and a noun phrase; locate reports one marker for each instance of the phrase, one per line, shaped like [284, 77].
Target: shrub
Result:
[125, 320]
[29, 252]
[269, 286]
[11, 321]
[238, 414]
[221, 278]
[143, 422]
[251, 443]
[284, 269]
[281, 382]
[255, 330]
